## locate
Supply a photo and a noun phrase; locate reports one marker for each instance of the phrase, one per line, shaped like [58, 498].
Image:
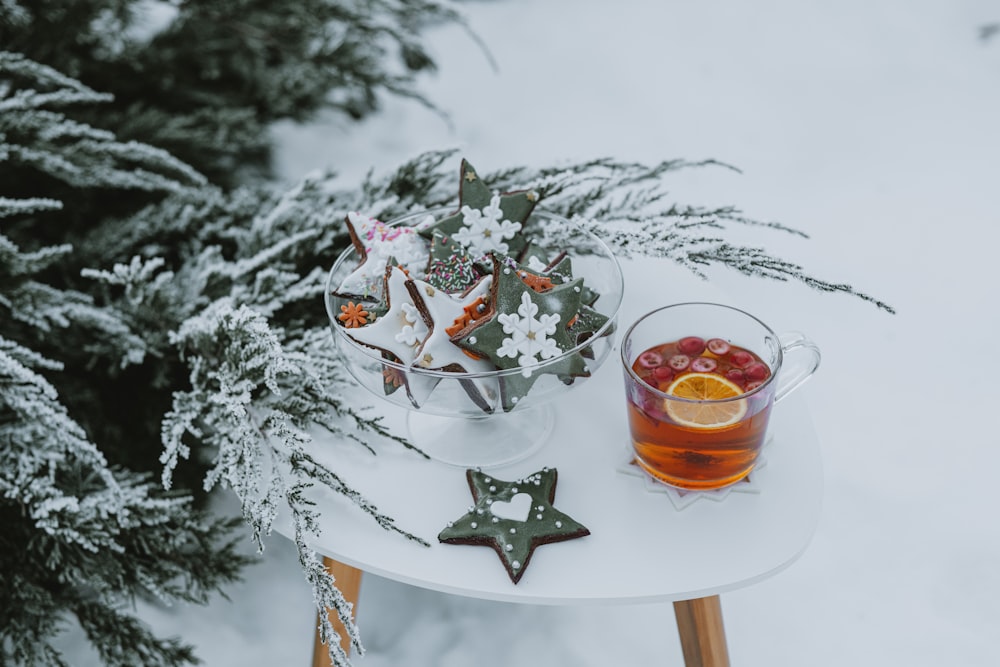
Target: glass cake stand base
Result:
[481, 442]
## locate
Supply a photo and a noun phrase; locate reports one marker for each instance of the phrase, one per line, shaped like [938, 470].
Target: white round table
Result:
[641, 547]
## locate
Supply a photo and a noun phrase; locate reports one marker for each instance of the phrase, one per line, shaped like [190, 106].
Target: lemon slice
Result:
[710, 410]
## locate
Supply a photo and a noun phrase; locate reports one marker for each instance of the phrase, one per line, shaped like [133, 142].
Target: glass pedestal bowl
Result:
[462, 418]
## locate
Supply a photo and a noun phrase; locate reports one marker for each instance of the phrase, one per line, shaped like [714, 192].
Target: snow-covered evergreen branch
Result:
[240, 376]
[33, 133]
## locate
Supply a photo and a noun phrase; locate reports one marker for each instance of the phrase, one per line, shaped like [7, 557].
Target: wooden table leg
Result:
[349, 582]
[703, 638]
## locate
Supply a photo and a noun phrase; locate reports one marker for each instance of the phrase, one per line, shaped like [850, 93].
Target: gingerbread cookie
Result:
[440, 312]
[375, 242]
[525, 329]
[587, 320]
[398, 334]
[513, 518]
[486, 222]
[401, 330]
[450, 267]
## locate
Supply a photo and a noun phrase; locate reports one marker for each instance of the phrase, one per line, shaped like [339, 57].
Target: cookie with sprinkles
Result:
[514, 518]
[375, 243]
[486, 221]
[449, 266]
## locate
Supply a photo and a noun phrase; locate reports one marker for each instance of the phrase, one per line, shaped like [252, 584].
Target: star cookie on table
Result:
[375, 243]
[486, 221]
[513, 518]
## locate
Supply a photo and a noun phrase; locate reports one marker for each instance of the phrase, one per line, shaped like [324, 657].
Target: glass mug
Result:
[700, 381]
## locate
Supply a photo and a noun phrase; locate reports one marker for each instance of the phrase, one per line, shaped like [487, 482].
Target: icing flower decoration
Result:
[353, 315]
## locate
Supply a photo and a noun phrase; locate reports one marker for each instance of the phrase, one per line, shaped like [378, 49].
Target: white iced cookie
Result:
[376, 242]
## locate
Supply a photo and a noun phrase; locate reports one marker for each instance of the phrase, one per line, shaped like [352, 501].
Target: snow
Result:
[873, 127]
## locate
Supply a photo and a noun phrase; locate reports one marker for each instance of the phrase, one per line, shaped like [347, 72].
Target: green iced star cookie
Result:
[486, 221]
[449, 267]
[513, 518]
[557, 272]
[525, 330]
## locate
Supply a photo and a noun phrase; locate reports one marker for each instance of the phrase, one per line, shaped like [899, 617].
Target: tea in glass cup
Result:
[701, 380]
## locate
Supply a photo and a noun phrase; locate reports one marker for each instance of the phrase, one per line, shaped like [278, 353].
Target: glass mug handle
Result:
[802, 358]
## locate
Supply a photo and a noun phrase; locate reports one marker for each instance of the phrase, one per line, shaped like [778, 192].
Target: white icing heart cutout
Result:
[516, 509]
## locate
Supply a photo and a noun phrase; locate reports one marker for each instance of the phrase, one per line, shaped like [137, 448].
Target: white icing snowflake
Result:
[529, 336]
[484, 230]
[416, 330]
[536, 264]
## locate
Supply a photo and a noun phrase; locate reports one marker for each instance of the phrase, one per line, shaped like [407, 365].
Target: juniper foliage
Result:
[93, 535]
[82, 539]
[203, 79]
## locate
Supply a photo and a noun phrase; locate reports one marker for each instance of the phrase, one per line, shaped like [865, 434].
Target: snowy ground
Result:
[873, 126]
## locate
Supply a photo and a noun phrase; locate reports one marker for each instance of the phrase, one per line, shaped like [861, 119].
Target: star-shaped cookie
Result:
[398, 334]
[587, 320]
[437, 352]
[400, 330]
[375, 243]
[526, 330]
[450, 267]
[486, 221]
[513, 518]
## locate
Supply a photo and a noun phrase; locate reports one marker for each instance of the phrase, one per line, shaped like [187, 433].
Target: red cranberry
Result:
[679, 362]
[662, 374]
[751, 386]
[703, 365]
[741, 358]
[652, 406]
[736, 375]
[717, 346]
[650, 359]
[691, 345]
[756, 372]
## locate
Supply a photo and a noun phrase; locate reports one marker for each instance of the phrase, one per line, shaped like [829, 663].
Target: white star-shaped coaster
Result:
[682, 498]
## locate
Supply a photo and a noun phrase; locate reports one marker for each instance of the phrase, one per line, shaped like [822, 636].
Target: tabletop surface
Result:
[641, 547]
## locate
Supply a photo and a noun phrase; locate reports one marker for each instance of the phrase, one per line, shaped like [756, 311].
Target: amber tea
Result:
[699, 403]
[705, 425]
